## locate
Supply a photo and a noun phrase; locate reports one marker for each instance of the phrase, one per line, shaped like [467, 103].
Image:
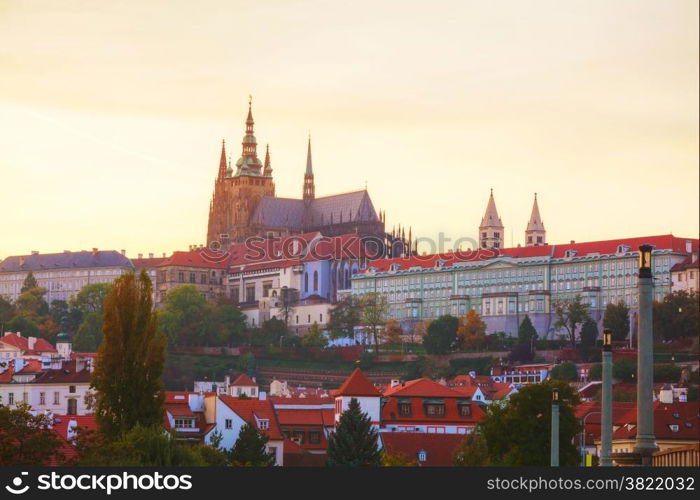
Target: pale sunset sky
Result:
[112, 114]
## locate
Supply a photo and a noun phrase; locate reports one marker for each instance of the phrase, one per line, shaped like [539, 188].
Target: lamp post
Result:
[606, 417]
[583, 436]
[645, 443]
[554, 450]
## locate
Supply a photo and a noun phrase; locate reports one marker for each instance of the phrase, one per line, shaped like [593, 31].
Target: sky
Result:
[112, 114]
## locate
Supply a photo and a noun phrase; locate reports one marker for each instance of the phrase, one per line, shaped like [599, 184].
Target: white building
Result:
[61, 274]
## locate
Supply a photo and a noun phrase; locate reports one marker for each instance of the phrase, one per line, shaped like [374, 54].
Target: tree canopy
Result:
[354, 441]
[571, 314]
[442, 335]
[617, 319]
[250, 449]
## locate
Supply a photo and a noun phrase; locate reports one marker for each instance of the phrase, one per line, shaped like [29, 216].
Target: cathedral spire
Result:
[491, 228]
[248, 163]
[535, 232]
[222, 161]
[309, 188]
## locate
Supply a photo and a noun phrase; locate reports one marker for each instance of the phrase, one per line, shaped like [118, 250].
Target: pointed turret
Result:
[309, 188]
[491, 228]
[535, 234]
[268, 166]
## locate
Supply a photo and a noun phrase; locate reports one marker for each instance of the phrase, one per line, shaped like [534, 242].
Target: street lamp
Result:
[554, 450]
[645, 443]
[583, 436]
[606, 403]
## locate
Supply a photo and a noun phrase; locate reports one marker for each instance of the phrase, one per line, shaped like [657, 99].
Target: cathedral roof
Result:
[323, 211]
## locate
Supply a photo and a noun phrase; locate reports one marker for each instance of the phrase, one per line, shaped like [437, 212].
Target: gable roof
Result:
[357, 384]
[65, 260]
[243, 380]
[251, 410]
[22, 343]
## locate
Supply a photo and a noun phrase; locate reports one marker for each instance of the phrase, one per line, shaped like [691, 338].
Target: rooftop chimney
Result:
[163, 254]
[21, 261]
[688, 246]
[140, 256]
[572, 242]
[35, 252]
[150, 255]
[94, 251]
[123, 252]
[31, 342]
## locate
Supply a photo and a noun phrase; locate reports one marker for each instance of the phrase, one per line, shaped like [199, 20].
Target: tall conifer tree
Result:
[130, 360]
[354, 441]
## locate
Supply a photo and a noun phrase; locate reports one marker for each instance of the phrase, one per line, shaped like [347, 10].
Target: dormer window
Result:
[439, 264]
[465, 409]
[394, 267]
[674, 427]
[264, 424]
[570, 254]
[434, 407]
[623, 248]
[422, 456]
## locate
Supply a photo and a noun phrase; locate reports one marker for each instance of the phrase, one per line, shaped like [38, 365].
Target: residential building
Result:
[61, 274]
[185, 416]
[200, 268]
[423, 450]
[685, 275]
[14, 345]
[49, 384]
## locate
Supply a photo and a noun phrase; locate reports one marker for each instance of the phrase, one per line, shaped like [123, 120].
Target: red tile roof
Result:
[300, 417]
[200, 258]
[392, 416]
[64, 375]
[243, 380]
[22, 343]
[439, 448]
[60, 423]
[149, 263]
[248, 409]
[422, 387]
[179, 409]
[357, 384]
[665, 242]
[685, 415]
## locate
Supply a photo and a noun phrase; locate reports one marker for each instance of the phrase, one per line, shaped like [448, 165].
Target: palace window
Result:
[42, 398]
[56, 396]
[405, 409]
[192, 278]
[465, 410]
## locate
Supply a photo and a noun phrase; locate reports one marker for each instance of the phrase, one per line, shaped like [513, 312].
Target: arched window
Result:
[346, 284]
[306, 282]
[315, 281]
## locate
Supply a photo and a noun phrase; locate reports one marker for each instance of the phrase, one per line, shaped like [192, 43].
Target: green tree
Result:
[354, 441]
[246, 363]
[274, 332]
[130, 360]
[224, 324]
[471, 452]
[571, 314]
[182, 317]
[7, 311]
[344, 317]
[397, 460]
[676, 317]
[565, 371]
[26, 439]
[89, 335]
[31, 304]
[596, 372]
[442, 335]
[617, 319]
[289, 298]
[393, 333]
[527, 334]
[91, 298]
[141, 446]
[374, 308]
[24, 325]
[314, 337]
[589, 334]
[667, 372]
[29, 283]
[518, 433]
[625, 369]
[250, 449]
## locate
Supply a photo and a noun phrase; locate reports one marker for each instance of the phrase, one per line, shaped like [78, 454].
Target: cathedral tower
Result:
[237, 192]
[491, 228]
[309, 189]
[535, 232]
